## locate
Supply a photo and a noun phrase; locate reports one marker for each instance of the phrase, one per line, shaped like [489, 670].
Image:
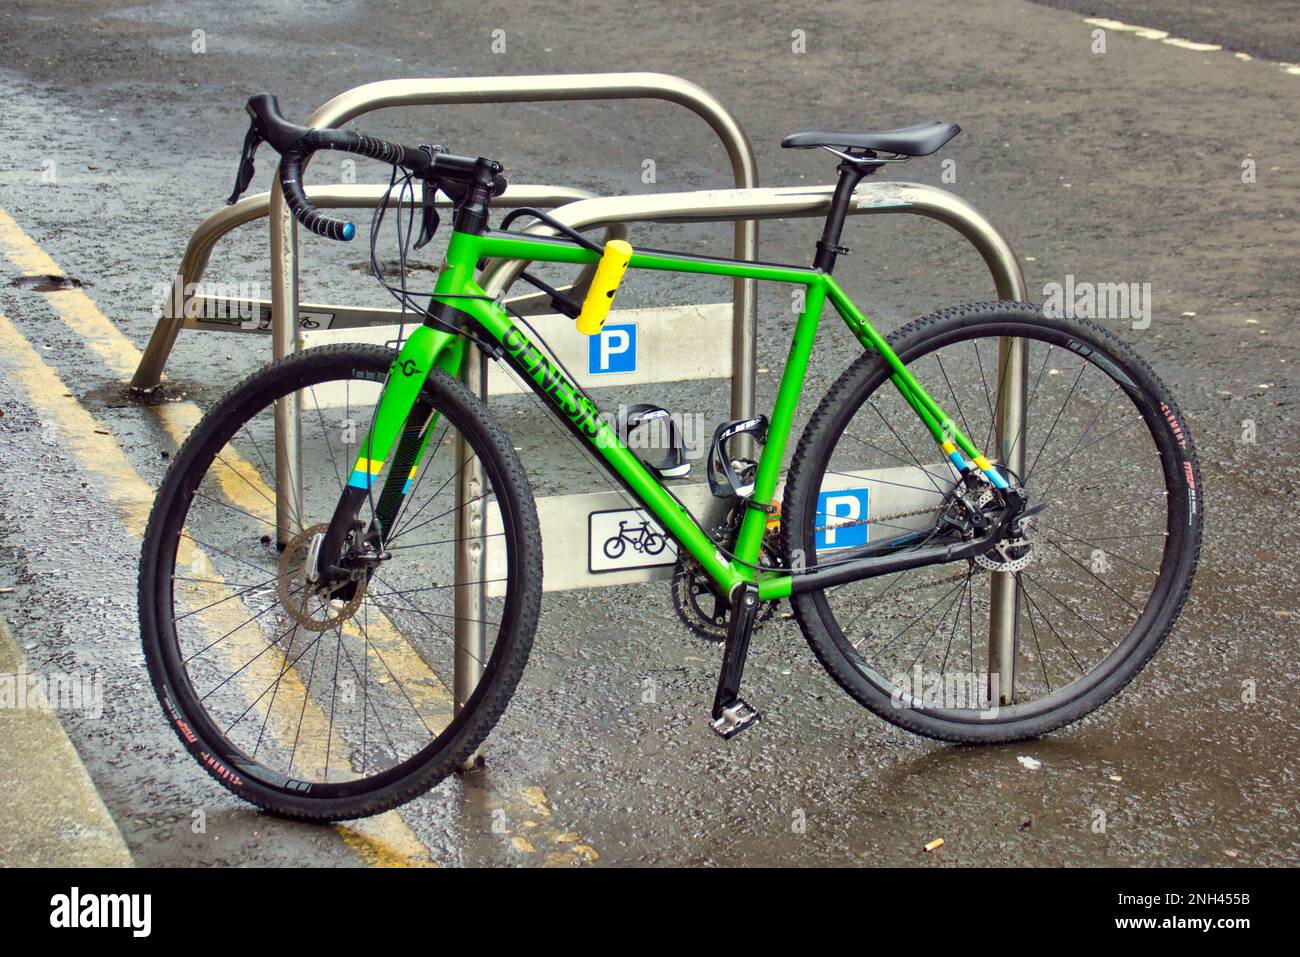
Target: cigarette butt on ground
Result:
[934, 845]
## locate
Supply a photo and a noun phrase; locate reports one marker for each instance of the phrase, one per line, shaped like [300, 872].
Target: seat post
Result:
[828, 247]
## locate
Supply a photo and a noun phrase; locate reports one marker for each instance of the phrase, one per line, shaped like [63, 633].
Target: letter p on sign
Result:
[842, 518]
[613, 349]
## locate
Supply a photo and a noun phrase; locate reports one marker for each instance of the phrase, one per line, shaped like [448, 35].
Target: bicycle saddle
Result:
[920, 139]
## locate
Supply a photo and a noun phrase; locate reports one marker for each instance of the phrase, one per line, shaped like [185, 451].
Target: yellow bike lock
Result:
[600, 297]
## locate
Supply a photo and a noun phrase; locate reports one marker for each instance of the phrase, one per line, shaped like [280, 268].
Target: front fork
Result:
[401, 427]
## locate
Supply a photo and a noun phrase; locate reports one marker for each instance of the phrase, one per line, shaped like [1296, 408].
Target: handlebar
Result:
[457, 176]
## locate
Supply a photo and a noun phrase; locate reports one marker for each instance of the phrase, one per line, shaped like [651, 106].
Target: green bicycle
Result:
[307, 662]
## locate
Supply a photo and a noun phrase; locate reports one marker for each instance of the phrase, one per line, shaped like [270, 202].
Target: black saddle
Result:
[920, 139]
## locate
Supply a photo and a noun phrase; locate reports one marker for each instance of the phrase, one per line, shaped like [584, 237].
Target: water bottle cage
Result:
[728, 477]
[675, 463]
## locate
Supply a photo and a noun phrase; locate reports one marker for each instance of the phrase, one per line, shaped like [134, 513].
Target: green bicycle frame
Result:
[428, 347]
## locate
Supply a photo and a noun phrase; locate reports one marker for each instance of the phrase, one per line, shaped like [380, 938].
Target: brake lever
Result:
[428, 213]
[428, 194]
[244, 175]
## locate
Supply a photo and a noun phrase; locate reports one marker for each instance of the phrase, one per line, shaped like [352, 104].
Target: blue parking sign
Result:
[842, 518]
[613, 349]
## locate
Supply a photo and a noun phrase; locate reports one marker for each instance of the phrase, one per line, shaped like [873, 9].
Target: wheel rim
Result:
[364, 701]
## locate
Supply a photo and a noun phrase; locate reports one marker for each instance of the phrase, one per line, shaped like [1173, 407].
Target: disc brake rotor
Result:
[298, 595]
[1009, 554]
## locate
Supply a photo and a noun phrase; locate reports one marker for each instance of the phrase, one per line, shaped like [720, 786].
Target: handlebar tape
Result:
[296, 144]
[346, 141]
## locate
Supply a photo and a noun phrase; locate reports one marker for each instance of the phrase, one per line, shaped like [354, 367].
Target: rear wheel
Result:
[1096, 582]
[337, 706]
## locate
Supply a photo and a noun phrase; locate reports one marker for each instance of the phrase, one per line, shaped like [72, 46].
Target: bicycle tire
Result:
[454, 745]
[868, 374]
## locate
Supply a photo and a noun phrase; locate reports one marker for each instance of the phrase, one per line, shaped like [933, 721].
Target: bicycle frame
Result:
[429, 347]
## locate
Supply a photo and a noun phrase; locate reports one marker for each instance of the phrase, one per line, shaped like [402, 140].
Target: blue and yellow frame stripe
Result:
[984, 465]
[364, 472]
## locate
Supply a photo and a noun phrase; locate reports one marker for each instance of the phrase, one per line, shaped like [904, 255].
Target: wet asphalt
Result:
[1123, 166]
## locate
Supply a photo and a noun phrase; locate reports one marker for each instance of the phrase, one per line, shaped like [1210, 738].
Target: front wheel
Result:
[1085, 593]
[342, 704]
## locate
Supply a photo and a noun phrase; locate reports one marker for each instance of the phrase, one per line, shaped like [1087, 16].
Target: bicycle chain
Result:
[880, 519]
[691, 586]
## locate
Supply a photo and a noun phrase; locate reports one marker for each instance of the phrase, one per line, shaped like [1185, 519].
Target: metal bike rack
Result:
[484, 90]
[192, 311]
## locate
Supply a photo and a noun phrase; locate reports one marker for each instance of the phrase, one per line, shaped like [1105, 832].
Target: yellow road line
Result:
[385, 840]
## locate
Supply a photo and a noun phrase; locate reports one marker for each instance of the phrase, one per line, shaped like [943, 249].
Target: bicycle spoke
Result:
[466, 504]
[906, 448]
[399, 532]
[448, 541]
[325, 433]
[1075, 449]
[1093, 575]
[975, 343]
[918, 618]
[961, 412]
[412, 607]
[240, 670]
[1042, 661]
[233, 631]
[235, 508]
[219, 601]
[329, 734]
[1069, 609]
[1109, 553]
[1064, 402]
[396, 681]
[1002, 380]
[429, 457]
[942, 619]
[1052, 628]
[311, 676]
[297, 517]
[943, 666]
[897, 458]
[203, 546]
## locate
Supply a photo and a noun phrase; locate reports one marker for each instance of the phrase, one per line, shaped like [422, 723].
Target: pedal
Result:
[730, 714]
[735, 719]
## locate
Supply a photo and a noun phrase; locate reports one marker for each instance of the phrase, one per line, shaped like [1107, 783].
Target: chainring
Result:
[698, 604]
